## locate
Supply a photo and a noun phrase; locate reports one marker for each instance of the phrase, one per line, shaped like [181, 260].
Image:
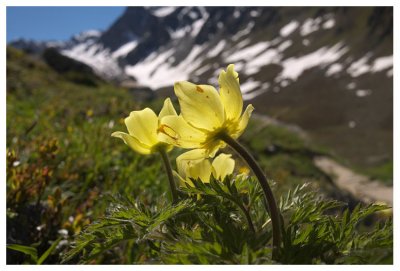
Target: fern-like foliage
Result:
[324, 231]
[226, 223]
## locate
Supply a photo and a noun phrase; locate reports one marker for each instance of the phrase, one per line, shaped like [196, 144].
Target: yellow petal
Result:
[195, 154]
[167, 110]
[187, 158]
[223, 165]
[212, 148]
[244, 120]
[231, 96]
[200, 105]
[132, 142]
[200, 169]
[176, 131]
[143, 125]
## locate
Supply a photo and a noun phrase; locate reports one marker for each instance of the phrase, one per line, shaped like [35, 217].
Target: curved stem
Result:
[171, 180]
[269, 196]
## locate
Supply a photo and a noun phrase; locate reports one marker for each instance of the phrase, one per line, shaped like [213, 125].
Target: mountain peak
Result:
[267, 44]
[88, 34]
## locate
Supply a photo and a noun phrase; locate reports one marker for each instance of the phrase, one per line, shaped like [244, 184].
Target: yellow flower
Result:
[206, 114]
[143, 126]
[202, 169]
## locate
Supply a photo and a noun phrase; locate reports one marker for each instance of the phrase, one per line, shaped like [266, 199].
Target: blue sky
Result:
[57, 23]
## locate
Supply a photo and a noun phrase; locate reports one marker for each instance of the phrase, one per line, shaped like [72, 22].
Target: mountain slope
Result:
[195, 42]
[327, 69]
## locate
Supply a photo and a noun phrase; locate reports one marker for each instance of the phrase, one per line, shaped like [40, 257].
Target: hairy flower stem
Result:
[171, 180]
[272, 206]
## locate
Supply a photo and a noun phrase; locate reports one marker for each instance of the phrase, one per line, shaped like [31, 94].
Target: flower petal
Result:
[187, 158]
[213, 148]
[200, 170]
[143, 125]
[176, 131]
[192, 164]
[195, 154]
[132, 142]
[244, 120]
[223, 165]
[167, 110]
[231, 96]
[200, 105]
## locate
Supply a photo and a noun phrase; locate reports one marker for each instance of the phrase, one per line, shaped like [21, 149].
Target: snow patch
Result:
[334, 68]
[284, 83]
[306, 42]
[217, 49]
[359, 67]
[197, 25]
[125, 49]
[202, 70]
[382, 63]
[249, 89]
[248, 52]
[268, 57]
[265, 86]
[171, 59]
[239, 66]
[155, 72]
[254, 13]
[243, 43]
[363, 92]
[87, 34]
[293, 67]
[193, 15]
[253, 94]
[329, 24]
[289, 28]
[284, 45]
[163, 11]
[249, 85]
[179, 33]
[244, 32]
[96, 57]
[310, 25]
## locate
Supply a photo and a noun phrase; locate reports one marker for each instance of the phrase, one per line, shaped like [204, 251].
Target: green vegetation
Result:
[285, 155]
[210, 227]
[76, 195]
[383, 172]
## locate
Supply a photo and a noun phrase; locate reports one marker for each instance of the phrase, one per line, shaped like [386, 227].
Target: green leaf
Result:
[48, 251]
[31, 251]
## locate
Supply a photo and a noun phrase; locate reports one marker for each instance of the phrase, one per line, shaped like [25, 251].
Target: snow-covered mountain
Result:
[318, 67]
[271, 47]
